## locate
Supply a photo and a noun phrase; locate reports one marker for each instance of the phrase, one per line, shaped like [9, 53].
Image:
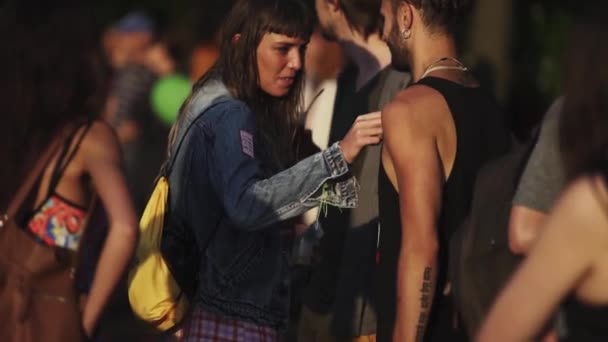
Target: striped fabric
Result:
[132, 88]
[207, 327]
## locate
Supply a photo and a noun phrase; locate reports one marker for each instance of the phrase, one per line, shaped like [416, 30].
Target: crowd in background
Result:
[342, 174]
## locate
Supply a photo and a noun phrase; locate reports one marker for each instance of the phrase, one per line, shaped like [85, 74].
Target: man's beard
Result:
[328, 33]
[399, 53]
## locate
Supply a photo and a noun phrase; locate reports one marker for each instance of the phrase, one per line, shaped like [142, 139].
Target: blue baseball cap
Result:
[136, 21]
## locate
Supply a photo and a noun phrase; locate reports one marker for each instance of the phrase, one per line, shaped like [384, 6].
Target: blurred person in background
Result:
[139, 58]
[324, 61]
[540, 185]
[52, 92]
[203, 57]
[126, 39]
[567, 265]
[206, 50]
[542, 181]
[338, 304]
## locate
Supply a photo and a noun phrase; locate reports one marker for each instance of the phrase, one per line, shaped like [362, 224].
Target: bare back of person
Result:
[567, 267]
[584, 213]
[73, 185]
[95, 158]
[94, 169]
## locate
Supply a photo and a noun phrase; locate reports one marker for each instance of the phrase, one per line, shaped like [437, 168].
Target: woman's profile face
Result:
[279, 60]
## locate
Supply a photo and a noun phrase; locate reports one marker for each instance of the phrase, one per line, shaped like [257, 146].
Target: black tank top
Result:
[481, 134]
[585, 323]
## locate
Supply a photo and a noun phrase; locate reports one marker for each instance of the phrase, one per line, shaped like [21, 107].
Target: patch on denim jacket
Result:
[247, 143]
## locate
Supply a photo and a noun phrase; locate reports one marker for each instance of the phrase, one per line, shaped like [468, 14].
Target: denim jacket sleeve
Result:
[253, 201]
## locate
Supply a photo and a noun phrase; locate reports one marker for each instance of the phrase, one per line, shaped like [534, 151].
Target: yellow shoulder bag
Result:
[154, 294]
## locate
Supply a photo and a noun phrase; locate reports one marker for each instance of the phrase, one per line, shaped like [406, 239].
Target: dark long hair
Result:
[276, 118]
[584, 121]
[51, 71]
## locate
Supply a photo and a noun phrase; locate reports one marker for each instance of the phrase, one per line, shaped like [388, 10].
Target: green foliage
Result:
[549, 32]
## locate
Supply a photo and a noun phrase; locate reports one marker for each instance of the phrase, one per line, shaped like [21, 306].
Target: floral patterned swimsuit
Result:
[58, 221]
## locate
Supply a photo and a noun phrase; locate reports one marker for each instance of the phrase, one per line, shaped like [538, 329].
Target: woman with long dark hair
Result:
[235, 182]
[51, 87]
[568, 264]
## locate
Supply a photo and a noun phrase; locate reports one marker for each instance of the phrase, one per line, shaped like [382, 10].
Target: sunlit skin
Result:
[418, 154]
[568, 258]
[279, 59]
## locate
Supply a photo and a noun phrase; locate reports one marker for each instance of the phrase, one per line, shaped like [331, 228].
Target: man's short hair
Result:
[362, 15]
[440, 14]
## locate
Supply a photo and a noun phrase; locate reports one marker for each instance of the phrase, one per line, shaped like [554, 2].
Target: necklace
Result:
[434, 66]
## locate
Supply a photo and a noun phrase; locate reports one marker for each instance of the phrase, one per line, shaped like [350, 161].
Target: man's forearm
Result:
[416, 283]
[426, 298]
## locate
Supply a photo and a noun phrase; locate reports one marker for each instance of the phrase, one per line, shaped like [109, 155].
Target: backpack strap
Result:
[178, 139]
[168, 164]
[28, 184]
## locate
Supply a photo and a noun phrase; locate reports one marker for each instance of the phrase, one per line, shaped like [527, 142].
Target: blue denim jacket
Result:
[222, 189]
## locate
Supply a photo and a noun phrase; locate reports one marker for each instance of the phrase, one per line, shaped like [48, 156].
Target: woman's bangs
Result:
[294, 21]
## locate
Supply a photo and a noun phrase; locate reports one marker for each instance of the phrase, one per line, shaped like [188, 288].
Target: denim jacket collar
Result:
[212, 92]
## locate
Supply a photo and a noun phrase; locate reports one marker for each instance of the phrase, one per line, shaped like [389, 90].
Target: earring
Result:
[406, 34]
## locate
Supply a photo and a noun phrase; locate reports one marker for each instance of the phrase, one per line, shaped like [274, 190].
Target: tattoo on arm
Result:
[425, 303]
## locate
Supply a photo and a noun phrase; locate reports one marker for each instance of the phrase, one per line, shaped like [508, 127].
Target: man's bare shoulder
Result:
[410, 106]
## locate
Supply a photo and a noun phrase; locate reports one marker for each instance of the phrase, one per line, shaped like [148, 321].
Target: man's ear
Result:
[405, 15]
[236, 38]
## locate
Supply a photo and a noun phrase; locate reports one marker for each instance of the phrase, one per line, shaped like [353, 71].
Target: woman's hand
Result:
[88, 327]
[87, 322]
[367, 130]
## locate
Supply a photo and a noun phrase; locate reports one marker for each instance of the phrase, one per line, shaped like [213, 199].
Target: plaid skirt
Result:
[203, 326]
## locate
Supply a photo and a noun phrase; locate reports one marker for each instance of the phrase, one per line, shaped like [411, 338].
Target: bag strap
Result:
[176, 137]
[173, 157]
[30, 180]
[65, 158]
